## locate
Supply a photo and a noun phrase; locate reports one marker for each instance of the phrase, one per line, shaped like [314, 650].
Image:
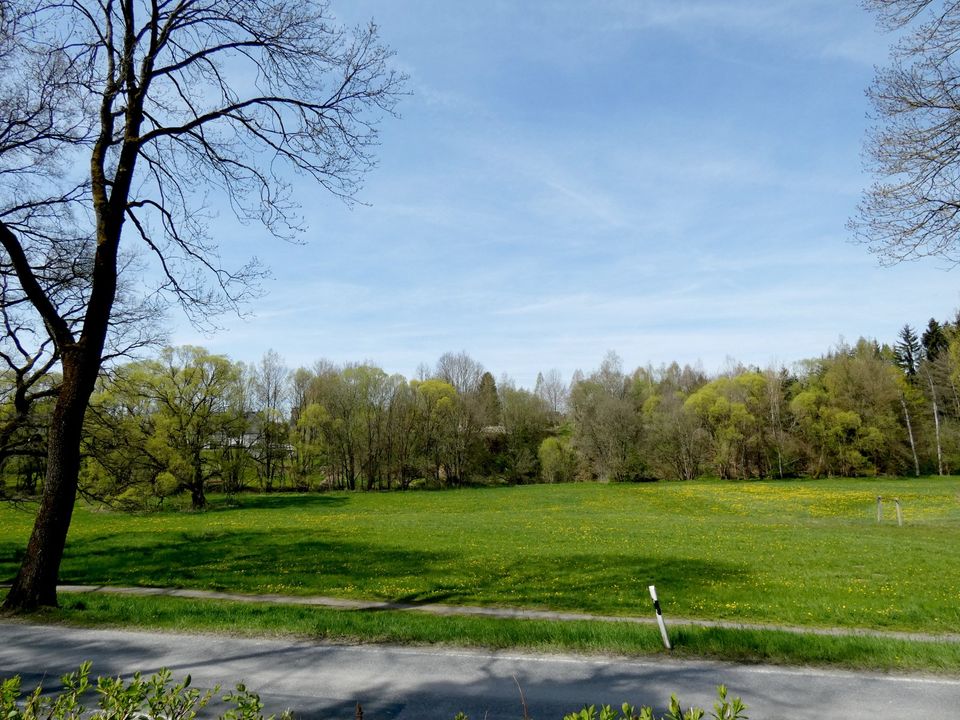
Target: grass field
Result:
[794, 552]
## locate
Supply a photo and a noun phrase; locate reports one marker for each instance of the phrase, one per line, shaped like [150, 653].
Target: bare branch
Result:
[911, 210]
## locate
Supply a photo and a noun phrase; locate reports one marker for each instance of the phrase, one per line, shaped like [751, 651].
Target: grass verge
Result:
[628, 639]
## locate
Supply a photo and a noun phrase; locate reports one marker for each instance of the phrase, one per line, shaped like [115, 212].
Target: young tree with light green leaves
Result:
[168, 417]
[436, 412]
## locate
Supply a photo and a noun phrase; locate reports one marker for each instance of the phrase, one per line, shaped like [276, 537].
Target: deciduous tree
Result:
[270, 388]
[116, 116]
[168, 416]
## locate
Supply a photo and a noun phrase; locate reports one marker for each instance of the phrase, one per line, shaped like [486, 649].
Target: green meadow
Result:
[807, 553]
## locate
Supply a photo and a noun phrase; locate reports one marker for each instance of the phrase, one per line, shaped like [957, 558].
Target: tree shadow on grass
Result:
[242, 560]
[286, 562]
[276, 501]
[11, 554]
[586, 582]
[291, 562]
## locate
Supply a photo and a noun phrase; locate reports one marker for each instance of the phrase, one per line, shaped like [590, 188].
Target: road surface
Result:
[322, 680]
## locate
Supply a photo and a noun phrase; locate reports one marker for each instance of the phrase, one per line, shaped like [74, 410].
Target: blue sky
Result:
[667, 179]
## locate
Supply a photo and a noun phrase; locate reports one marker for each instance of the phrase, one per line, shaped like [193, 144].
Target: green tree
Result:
[341, 428]
[471, 412]
[729, 410]
[676, 444]
[403, 434]
[526, 423]
[607, 426]
[910, 399]
[848, 411]
[558, 461]
[436, 413]
[155, 427]
[908, 350]
[488, 401]
[359, 423]
[934, 340]
[26, 404]
[120, 465]
[375, 392]
[310, 452]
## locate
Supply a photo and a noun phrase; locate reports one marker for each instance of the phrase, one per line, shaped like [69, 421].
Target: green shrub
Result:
[151, 698]
[157, 698]
[723, 709]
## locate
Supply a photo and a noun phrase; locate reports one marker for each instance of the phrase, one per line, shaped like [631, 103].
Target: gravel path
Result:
[441, 609]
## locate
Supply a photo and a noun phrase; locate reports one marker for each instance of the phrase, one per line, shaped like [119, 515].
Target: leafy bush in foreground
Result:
[157, 698]
[152, 698]
[723, 709]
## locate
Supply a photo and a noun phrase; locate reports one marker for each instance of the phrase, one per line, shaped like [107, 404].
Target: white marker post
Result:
[656, 606]
[899, 512]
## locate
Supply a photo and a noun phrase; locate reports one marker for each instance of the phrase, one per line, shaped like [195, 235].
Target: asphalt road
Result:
[319, 680]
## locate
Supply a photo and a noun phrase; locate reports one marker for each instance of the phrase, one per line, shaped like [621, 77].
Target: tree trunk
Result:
[36, 582]
[936, 424]
[913, 446]
[956, 399]
[777, 435]
[198, 499]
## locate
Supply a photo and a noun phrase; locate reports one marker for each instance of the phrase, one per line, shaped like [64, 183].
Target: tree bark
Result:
[198, 499]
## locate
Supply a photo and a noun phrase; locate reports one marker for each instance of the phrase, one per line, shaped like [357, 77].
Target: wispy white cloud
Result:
[818, 27]
[668, 179]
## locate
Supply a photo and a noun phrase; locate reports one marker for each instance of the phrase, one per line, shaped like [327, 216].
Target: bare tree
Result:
[33, 142]
[912, 210]
[270, 383]
[460, 370]
[552, 390]
[154, 104]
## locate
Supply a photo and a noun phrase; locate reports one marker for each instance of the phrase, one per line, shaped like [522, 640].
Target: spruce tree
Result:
[908, 351]
[934, 340]
[488, 400]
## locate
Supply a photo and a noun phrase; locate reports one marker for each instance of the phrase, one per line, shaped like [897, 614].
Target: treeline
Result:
[191, 421]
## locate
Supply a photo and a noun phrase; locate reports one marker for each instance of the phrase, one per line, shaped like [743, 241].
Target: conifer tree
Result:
[908, 351]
